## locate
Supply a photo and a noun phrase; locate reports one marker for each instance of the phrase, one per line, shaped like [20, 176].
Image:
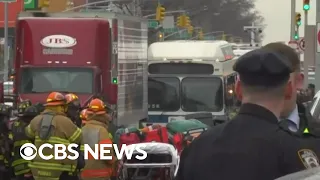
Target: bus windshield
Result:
[201, 94]
[163, 94]
[43, 80]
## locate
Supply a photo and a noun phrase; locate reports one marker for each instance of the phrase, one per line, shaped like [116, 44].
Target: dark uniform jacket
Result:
[306, 142]
[252, 146]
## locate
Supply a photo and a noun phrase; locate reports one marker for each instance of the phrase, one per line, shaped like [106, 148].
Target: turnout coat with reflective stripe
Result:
[63, 131]
[95, 132]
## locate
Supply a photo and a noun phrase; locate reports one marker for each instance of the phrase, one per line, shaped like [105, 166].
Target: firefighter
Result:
[73, 109]
[5, 142]
[54, 127]
[20, 166]
[83, 117]
[95, 131]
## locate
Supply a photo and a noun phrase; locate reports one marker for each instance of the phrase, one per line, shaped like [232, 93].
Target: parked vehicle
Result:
[101, 54]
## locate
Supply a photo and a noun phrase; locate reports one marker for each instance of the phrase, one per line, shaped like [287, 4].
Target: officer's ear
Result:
[288, 91]
[238, 90]
[299, 80]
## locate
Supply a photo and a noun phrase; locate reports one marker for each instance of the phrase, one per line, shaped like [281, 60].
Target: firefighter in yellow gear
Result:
[54, 127]
[95, 131]
[5, 142]
[20, 166]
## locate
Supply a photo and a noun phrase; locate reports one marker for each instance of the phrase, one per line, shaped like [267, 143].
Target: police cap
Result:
[263, 67]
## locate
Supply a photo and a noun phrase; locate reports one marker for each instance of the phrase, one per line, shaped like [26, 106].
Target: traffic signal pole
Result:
[167, 12]
[317, 61]
[253, 30]
[306, 61]
[293, 20]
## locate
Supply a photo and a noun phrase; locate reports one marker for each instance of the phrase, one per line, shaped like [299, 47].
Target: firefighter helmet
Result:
[72, 98]
[96, 106]
[22, 107]
[31, 111]
[83, 116]
[55, 99]
[5, 110]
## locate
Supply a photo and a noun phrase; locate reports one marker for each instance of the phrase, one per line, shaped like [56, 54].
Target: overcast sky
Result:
[277, 18]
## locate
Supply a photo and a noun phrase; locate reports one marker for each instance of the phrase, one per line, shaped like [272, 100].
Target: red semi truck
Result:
[87, 54]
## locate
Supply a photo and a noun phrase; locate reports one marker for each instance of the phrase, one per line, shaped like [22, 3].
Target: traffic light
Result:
[43, 3]
[200, 34]
[298, 19]
[296, 36]
[190, 29]
[180, 21]
[187, 21]
[161, 12]
[306, 5]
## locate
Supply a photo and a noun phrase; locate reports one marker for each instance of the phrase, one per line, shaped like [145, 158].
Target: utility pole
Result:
[293, 22]
[254, 31]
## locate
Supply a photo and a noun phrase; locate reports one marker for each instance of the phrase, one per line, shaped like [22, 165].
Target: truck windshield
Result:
[43, 80]
[163, 94]
[201, 94]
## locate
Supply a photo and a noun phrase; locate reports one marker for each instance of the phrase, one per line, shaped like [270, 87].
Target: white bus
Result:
[187, 77]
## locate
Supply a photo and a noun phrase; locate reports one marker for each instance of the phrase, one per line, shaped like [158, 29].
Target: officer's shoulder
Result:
[210, 135]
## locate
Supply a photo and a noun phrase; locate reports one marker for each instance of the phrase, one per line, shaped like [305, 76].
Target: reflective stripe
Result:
[10, 136]
[82, 148]
[92, 173]
[20, 143]
[75, 135]
[52, 166]
[52, 140]
[19, 161]
[22, 172]
[44, 178]
[29, 132]
[110, 136]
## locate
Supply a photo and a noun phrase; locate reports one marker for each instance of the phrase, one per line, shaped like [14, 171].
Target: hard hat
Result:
[55, 99]
[83, 114]
[22, 107]
[31, 111]
[71, 97]
[96, 106]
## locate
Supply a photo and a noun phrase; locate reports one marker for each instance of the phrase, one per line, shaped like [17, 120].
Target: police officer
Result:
[5, 142]
[250, 146]
[53, 126]
[20, 166]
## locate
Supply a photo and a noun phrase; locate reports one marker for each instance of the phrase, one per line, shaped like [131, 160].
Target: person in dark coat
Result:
[250, 146]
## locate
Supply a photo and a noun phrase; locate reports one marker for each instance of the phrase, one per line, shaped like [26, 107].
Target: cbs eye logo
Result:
[28, 151]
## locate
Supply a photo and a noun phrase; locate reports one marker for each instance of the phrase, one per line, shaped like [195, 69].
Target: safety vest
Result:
[94, 168]
[20, 166]
[47, 133]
